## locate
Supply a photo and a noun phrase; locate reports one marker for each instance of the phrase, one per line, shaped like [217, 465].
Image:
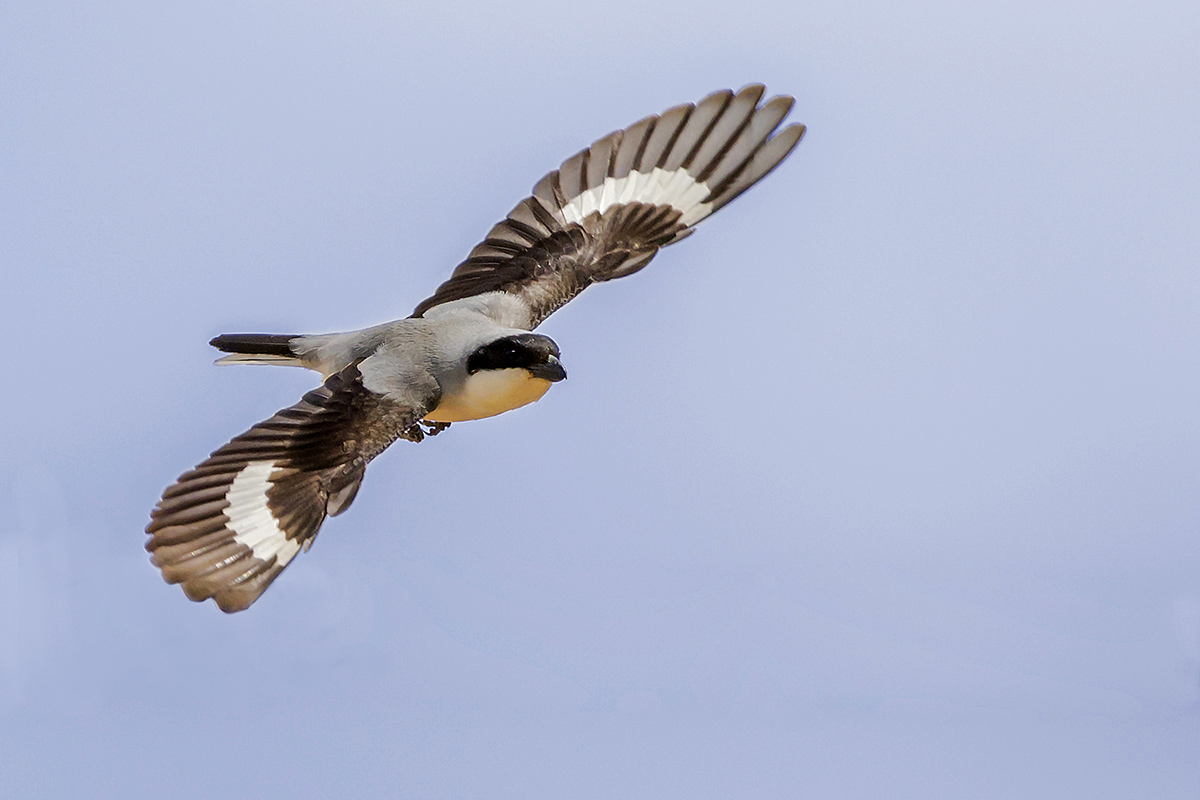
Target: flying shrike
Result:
[227, 528]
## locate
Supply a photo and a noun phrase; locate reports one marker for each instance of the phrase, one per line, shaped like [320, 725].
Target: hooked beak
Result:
[551, 371]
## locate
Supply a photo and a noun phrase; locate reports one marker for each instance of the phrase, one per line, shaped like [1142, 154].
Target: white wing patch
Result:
[675, 188]
[250, 518]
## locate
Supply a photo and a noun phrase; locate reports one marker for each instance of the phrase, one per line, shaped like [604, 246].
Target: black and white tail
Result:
[258, 348]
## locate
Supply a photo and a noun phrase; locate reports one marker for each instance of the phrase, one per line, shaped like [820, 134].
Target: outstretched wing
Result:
[608, 209]
[227, 528]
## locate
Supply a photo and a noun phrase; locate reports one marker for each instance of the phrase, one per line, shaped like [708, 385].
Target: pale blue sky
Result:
[886, 483]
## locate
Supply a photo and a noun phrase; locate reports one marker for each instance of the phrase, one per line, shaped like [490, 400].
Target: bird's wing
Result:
[608, 209]
[227, 528]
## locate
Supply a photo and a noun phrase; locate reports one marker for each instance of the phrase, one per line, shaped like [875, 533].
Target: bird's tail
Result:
[258, 348]
[326, 353]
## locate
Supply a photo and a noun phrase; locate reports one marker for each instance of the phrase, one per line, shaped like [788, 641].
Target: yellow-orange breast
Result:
[488, 393]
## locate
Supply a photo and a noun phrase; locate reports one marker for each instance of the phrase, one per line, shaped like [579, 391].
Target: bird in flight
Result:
[229, 527]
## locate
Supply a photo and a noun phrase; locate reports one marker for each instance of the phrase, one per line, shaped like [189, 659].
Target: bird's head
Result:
[532, 352]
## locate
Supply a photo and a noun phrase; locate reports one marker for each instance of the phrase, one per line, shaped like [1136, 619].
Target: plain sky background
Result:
[886, 484]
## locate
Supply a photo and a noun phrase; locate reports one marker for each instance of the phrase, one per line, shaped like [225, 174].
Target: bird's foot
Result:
[413, 433]
[433, 428]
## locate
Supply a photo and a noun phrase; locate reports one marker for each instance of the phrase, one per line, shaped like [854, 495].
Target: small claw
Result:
[434, 428]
